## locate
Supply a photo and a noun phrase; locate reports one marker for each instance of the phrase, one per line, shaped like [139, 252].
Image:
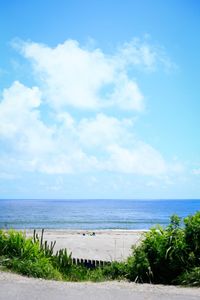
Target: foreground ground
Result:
[16, 287]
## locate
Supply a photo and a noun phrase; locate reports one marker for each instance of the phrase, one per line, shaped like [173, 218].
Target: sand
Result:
[107, 245]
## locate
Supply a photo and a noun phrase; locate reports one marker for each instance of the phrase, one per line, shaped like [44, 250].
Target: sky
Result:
[99, 99]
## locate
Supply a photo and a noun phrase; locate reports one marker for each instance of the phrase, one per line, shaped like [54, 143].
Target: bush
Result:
[138, 266]
[40, 268]
[116, 270]
[161, 256]
[192, 235]
[166, 252]
[15, 244]
[27, 256]
[168, 256]
[191, 277]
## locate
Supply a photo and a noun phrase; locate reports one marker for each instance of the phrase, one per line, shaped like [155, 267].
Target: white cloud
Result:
[20, 120]
[141, 159]
[71, 76]
[16, 105]
[103, 130]
[100, 143]
[32, 144]
[86, 79]
[138, 54]
[127, 94]
[144, 55]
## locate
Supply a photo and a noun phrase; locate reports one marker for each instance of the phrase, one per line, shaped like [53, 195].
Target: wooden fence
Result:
[90, 263]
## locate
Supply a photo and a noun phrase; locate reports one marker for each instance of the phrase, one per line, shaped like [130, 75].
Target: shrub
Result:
[138, 266]
[26, 256]
[116, 270]
[191, 277]
[166, 252]
[40, 268]
[192, 236]
[15, 244]
[168, 255]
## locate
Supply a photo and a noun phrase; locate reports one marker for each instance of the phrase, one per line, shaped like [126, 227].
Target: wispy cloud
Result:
[144, 55]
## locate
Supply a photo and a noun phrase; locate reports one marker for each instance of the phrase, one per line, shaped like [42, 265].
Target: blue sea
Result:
[92, 214]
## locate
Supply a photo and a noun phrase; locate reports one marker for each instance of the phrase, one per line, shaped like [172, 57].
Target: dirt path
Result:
[15, 287]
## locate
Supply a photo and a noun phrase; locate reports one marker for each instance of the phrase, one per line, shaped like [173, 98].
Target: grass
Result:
[168, 255]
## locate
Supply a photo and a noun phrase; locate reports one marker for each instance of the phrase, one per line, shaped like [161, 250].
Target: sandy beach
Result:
[107, 245]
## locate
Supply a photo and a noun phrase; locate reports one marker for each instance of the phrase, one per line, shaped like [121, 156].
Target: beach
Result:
[106, 245]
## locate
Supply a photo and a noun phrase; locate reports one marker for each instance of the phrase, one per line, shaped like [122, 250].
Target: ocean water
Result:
[92, 214]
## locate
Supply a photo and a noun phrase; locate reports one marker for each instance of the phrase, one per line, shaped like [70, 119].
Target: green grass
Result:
[168, 255]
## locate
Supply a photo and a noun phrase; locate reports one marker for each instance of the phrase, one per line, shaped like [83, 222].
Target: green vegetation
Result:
[168, 255]
[33, 257]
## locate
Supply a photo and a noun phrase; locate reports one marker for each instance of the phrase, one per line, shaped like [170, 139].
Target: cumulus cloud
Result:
[100, 143]
[20, 124]
[103, 130]
[47, 128]
[141, 159]
[85, 79]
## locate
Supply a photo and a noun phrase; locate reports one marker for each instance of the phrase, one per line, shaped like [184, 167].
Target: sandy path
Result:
[16, 287]
[104, 245]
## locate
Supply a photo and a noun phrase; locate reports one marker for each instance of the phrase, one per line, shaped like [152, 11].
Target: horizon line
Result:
[99, 199]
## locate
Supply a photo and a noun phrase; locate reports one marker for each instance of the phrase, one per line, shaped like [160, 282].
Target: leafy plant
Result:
[190, 277]
[192, 235]
[168, 255]
[40, 268]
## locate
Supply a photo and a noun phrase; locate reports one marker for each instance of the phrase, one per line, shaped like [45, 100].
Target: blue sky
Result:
[99, 99]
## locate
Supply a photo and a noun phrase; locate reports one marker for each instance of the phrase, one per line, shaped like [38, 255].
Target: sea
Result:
[92, 214]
